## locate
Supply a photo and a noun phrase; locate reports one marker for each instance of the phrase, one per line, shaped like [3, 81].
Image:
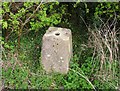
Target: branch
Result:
[27, 20]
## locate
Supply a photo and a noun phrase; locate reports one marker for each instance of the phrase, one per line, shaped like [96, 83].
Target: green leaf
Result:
[44, 9]
[117, 7]
[87, 10]
[104, 11]
[57, 3]
[111, 15]
[5, 25]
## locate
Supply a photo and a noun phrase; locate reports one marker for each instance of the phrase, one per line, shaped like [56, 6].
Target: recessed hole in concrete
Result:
[50, 31]
[57, 34]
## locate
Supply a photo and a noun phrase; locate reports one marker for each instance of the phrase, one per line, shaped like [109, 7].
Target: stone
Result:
[56, 50]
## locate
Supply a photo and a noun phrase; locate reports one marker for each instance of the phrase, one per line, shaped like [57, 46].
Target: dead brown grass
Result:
[105, 43]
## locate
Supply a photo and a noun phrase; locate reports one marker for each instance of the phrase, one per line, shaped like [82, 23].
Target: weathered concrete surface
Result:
[56, 50]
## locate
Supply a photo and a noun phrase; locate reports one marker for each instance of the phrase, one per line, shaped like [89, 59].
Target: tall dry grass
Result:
[105, 43]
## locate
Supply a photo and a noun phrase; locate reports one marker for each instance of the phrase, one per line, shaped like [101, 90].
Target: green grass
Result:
[25, 70]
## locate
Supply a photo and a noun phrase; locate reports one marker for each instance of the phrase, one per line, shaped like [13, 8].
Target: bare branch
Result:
[27, 20]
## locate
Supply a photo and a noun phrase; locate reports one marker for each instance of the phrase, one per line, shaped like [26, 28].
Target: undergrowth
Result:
[95, 61]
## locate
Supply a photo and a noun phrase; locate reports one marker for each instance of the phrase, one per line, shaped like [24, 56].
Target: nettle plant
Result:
[21, 17]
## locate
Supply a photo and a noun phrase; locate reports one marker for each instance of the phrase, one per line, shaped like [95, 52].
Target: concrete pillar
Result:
[56, 50]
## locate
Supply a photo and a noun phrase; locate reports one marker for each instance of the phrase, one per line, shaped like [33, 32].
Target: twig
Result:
[8, 7]
[3, 50]
[27, 20]
[85, 23]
